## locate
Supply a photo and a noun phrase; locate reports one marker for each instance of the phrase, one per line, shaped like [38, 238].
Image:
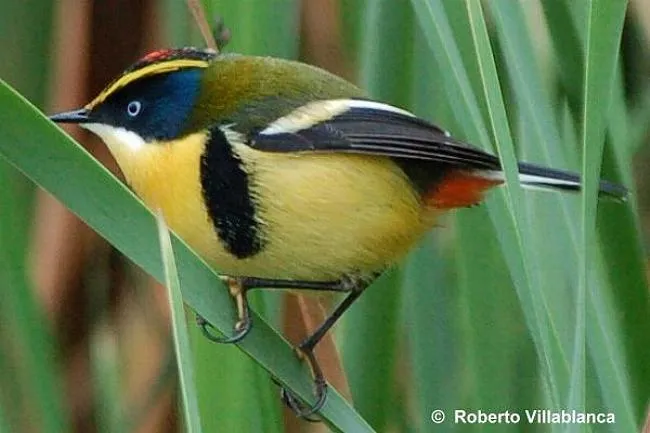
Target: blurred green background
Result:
[489, 312]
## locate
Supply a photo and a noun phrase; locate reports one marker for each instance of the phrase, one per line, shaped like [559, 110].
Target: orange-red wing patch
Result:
[459, 189]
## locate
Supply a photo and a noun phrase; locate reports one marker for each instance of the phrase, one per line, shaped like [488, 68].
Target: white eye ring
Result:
[134, 108]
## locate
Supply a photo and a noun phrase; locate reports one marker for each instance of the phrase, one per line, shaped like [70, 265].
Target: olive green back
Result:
[251, 92]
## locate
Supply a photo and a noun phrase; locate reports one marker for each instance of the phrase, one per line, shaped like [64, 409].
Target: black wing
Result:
[366, 127]
[424, 151]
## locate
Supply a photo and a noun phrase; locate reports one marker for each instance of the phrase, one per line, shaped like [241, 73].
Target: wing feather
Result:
[350, 126]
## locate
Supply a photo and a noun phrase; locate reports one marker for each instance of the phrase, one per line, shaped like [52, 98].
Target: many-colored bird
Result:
[282, 175]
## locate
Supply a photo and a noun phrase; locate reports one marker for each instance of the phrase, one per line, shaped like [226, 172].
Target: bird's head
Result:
[151, 102]
[170, 99]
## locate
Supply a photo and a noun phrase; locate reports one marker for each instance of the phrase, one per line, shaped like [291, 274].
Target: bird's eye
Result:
[134, 108]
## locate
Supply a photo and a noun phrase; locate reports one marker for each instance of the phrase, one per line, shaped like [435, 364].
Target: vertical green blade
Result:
[181, 338]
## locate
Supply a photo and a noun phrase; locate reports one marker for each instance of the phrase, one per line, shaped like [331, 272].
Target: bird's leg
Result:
[239, 287]
[306, 351]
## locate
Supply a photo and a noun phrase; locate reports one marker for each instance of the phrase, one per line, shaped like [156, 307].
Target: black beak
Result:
[76, 116]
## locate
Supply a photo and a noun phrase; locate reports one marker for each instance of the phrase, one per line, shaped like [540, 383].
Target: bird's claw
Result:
[306, 412]
[244, 323]
[302, 410]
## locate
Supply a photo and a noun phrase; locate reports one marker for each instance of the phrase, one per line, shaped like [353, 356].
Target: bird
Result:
[282, 175]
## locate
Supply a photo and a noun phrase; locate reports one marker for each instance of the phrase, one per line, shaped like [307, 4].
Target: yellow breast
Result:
[322, 215]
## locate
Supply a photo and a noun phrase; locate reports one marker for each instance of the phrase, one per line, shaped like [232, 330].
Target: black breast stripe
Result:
[226, 192]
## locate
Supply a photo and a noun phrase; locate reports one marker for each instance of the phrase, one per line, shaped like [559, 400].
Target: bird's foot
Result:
[308, 412]
[244, 323]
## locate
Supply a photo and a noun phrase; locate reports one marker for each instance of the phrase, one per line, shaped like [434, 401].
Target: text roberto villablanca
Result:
[533, 416]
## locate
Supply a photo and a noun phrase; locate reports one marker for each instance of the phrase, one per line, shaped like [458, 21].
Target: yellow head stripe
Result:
[153, 69]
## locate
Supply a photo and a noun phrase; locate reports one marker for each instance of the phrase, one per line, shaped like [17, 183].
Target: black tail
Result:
[535, 176]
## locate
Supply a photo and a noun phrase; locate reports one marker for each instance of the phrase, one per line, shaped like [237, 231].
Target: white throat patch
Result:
[117, 139]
